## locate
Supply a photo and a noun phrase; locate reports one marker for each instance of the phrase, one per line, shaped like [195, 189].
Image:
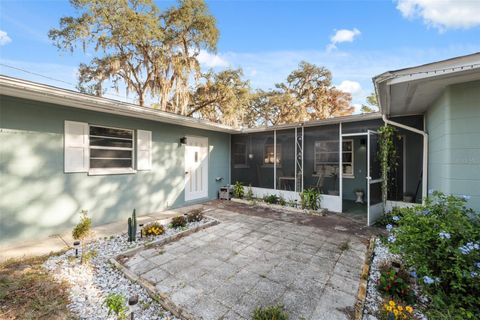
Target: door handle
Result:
[186, 172]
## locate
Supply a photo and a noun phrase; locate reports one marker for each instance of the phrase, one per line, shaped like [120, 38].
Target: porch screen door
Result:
[374, 179]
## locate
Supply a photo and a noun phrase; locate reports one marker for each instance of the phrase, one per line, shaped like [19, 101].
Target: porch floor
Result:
[355, 211]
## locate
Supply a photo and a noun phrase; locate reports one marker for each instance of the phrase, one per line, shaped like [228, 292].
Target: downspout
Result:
[425, 152]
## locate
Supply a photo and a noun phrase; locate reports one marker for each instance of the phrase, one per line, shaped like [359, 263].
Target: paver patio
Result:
[250, 260]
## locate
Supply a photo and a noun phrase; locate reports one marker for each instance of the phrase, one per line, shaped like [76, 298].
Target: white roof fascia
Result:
[382, 82]
[423, 75]
[315, 123]
[44, 93]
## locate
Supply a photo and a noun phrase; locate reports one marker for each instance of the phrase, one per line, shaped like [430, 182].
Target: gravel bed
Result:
[374, 299]
[90, 283]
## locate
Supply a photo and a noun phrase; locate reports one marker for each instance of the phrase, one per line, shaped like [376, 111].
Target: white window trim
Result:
[112, 171]
[349, 175]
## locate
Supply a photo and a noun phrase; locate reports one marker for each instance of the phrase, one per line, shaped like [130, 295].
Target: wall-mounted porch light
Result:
[183, 140]
[250, 156]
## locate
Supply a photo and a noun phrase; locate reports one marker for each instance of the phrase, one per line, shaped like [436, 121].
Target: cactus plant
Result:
[134, 220]
[130, 239]
[132, 227]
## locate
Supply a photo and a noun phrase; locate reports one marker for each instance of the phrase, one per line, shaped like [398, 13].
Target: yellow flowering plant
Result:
[392, 310]
[153, 229]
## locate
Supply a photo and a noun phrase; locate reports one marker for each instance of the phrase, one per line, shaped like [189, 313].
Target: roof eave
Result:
[39, 92]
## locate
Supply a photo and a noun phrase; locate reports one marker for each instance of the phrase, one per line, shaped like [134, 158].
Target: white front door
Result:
[196, 168]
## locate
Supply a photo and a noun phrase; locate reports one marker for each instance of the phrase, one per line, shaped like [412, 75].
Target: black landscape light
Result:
[76, 244]
[141, 230]
[132, 301]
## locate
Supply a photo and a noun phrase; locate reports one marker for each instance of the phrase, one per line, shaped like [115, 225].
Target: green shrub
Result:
[395, 282]
[81, 232]
[178, 222]
[249, 195]
[116, 304]
[82, 229]
[389, 218]
[238, 190]
[282, 201]
[310, 199]
[441, 241]
[270, 313]
[271, 199]
[195, 215]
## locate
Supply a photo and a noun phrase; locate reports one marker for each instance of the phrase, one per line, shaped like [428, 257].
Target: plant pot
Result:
[359, 195]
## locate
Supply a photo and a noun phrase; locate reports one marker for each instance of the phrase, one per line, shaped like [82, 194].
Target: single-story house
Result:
[62, 151]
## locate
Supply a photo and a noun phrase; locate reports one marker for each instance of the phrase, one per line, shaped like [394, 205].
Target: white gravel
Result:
[90, 283]
[374, 299]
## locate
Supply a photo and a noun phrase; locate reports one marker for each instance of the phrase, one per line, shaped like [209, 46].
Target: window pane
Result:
[256, 173]
[347, 157]
[320, 159]
[239, 154]
[109, 132]
[239, 159]
[268, 155]
[347, 169]
[286, 159]
[110, 163]
[105, 153]
[106, 142]
[347, 146]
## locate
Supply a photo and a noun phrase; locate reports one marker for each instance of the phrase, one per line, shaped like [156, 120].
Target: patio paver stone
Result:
[226, 271]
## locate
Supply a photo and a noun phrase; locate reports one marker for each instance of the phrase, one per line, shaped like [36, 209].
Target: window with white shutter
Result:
[111, 150]
[102, 150]
[144, 150]
[76, 150]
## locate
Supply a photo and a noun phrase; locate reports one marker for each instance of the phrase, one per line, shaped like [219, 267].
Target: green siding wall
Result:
[453, 124]
[39, 199]
[350, 185]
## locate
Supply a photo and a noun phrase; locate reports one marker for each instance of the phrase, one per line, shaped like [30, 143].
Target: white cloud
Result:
[343, 35]
[4, 38]
[454, 14]
[211, 60]
[352, 87]
[357, 108]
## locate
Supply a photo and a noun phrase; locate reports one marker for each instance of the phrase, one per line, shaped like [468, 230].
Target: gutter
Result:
[425, 152]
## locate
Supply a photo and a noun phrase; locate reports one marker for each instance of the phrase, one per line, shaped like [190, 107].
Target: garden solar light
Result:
[141, 230]
[132, 301]
[76, 244]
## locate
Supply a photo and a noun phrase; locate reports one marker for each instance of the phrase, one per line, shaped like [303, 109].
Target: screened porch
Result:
[337, 158]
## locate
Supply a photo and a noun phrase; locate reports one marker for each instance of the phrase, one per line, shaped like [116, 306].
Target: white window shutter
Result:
[76, 146]
[144, 150]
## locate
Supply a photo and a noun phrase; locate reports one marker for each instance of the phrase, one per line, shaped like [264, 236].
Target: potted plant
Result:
[407, 197]
[359, 193]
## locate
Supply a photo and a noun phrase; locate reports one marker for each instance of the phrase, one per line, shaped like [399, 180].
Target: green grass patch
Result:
[270, 313]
